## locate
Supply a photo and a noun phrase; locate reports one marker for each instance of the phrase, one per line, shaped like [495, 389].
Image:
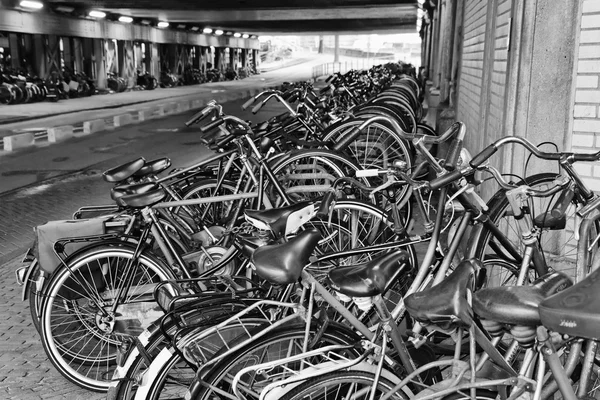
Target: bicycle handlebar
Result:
[212, 125]
[457, 127]
[482, 157]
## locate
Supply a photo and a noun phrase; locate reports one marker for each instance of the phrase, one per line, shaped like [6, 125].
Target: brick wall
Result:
[586, 107]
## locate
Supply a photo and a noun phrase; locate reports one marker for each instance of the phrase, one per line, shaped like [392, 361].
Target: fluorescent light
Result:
[145, 22]
[163, 24]
[97, 14]
[207, 31]
[194, 28]
[245, 36]
[125, 19]
[254, 37]
[65, 9]
[36, 5]
[218, 32]
[181, 26]
[237, 34]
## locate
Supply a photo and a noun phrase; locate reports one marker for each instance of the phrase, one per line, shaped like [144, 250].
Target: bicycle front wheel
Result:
[80, 332]
[559, 246]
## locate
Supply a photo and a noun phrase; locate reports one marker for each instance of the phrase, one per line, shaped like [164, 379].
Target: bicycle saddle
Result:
[446, 303]
[247, 244]
[281, 221]
[370, 278]
[518, 305]
[123, 171]
[283, 263]
[574, 311]
[141, 200]
[137, 188]
[153, 167]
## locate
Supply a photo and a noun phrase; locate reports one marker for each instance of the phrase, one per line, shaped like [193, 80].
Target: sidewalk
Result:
[38, 117]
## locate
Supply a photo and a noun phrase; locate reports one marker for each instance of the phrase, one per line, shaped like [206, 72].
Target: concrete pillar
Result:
[232, 58]
[336, 49]
[78, 55]
[39, 56]
[15, 53]
[155, 60]
[99, 63]
[542, 30]
[217, 58]
[447, 46]
[126, 61]
[244, 60]
[53, 53]
[68, 53]
[87, 47]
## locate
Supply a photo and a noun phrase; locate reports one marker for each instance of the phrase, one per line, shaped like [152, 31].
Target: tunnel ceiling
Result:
[264, 16]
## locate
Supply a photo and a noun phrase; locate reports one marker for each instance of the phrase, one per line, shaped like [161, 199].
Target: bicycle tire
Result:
[92, 373]
[156, 341]
[560, 248]
[393, 148]
[335, 334]
[319, 387]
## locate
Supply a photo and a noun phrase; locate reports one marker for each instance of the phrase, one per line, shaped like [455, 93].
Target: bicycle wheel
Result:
[274, 346]
[339, 385]
[173, 370]
[308, 174]
[80, 333]
[171, 375]
[377, 147]
[212, 214]
[559, 246]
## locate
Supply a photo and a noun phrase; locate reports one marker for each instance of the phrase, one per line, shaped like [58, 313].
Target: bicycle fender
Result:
[283, 388]
[148, 375]
[27, 282]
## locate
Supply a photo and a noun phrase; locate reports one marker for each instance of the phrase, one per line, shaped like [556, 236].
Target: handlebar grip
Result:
[224, 141]
[212, 125]
[288, 94]
[257, 107]
[445, 179]
[453, 154]
[292, 98]
[330, 78]
[248, 103]
[367, 173]
[325, 204]
[347, 139]
[586, 157]
[483, 155]
[324, 90]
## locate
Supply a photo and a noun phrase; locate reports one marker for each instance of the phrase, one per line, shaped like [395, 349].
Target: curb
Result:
[61, 133]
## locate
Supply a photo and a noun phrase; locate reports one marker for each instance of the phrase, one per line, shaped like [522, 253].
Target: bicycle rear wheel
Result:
[343, 385]
[80, 334]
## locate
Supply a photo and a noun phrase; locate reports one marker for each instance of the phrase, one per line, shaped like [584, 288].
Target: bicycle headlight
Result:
[464, 158]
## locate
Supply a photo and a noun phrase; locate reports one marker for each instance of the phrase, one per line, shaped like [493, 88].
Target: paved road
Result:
[68, 112]
[67, 176]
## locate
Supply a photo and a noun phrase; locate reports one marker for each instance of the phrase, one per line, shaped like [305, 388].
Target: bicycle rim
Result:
[77, 341]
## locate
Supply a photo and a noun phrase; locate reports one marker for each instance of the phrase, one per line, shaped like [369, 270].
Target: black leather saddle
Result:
[146, 199]
[283, 263]
[276, 219]
[370, 278]
[518, 305]
[123, 171]
[445, 304]
[153, 167]
[576, 310]
[117, 192]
